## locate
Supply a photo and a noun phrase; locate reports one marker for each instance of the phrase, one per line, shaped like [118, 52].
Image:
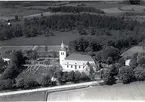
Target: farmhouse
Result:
[75, 62]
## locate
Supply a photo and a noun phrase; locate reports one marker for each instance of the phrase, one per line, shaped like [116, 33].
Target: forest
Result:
[74, 9]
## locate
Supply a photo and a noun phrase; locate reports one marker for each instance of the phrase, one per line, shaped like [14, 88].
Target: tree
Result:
[54, 54]
[109, 60]
[20, 83]
[111, 52]
[139, 73]
[77, 76]
[126, 74]
[71, 76]
[133, 61]
[134, 1]
[10, 72]
[141, 60]
[83, 32]
[85, 77]
[30, 83]
[121, 61]
[6, 84]
[91, 71]
[93, 32]
[18, 31]
[108, 78]
[2, 65]
[15, 66]
[34, 55]
[46, 81]
[17, 58]
[16, 17]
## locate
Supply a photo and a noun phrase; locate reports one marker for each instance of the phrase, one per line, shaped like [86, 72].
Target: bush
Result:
[126, 74]
[139, 73]
[85, 77]
[141, 60]
[46, 81]
[6, 84]
[77, 76]
[30, 83]
[71, 76]
[20, 83]
[108, 78]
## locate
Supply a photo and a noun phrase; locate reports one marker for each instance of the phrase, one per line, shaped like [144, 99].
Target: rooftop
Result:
[79, 57]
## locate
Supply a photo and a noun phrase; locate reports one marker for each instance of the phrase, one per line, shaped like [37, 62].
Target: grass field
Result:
[42, 40]
[133, 91]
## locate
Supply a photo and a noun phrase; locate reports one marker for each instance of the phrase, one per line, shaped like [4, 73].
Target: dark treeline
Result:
[109, 31]
[69, 21]
[74, 9]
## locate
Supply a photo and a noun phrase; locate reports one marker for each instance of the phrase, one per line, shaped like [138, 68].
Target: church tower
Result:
[62, 54]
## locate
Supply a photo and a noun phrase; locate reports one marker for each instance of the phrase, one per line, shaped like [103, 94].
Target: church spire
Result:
[62, 45]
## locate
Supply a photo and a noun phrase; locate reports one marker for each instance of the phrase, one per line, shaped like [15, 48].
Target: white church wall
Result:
[74, 65]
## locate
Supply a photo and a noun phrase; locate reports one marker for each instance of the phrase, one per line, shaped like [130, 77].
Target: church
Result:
[74, 61]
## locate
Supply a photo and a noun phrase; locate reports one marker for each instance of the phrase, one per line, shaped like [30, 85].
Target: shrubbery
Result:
[6, 84]
[108, 78]
[71, 9]
[139, 73]
[126, 74]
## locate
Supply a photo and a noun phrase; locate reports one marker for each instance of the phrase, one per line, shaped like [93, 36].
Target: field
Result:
[133, 50]
[133, 91]
[33, 72]
[42, 40]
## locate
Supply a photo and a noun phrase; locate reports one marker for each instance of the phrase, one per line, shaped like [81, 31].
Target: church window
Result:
[71, 66]
[67, 66]
[75, 66]
[79, 66]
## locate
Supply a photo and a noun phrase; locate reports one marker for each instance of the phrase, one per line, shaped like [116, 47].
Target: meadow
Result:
[42, 40]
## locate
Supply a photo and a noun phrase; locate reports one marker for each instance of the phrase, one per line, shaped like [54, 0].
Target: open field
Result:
[42, 40]
[133, 50]
[123, 9]
[133, 91]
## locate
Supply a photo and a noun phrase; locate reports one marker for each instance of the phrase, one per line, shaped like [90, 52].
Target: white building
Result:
[75, 62]
[127, 62]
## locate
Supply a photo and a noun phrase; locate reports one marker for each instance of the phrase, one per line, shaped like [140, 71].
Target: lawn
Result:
[42, 40]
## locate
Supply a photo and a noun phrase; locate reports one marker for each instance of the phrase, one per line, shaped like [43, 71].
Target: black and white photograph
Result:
[72, 50]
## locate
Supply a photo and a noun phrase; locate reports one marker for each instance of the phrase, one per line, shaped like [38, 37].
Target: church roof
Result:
[79, 57]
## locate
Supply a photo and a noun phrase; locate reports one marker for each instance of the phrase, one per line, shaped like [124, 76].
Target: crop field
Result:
[42, 40]
[132, 91]
[124, 9]
[33, 71]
